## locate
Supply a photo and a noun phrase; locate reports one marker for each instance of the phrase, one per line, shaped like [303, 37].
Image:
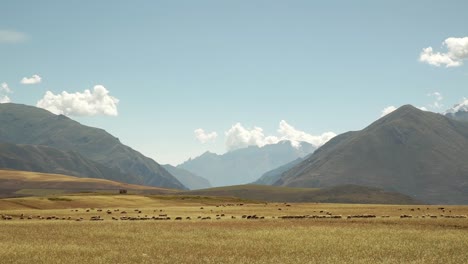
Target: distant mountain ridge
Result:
[272, 176]
[188, 179]
[458, 111]
[22, 124]
[245, 165]
[410, 151]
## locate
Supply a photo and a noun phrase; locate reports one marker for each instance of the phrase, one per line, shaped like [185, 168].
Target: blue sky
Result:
[178, 66]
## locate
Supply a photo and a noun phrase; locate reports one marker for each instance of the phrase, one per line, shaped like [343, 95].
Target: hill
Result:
[45, 159]
[417, 153]
[23, 124]
[270, 177]
[244, 165]
[188, 179]
[337, 194]
[12, 182]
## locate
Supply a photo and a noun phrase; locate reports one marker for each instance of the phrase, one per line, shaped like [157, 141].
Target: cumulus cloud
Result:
[290, 133]
[4, 88]
[10, 36]
[35, 79]
[87, 103]
[203, 136]
[239, 137]
[4, 99]
[457, 52]
[437, 104]
[387, 110]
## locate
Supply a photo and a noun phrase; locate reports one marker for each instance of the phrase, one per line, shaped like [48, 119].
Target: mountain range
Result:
[418, 153]
[245, 165]
[22, 124]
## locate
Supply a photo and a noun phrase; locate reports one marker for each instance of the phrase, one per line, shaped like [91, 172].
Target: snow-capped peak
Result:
[460, 107]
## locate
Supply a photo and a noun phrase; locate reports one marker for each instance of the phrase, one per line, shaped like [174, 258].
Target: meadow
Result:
[228, 236]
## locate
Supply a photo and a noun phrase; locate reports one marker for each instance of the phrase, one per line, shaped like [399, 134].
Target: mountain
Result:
[21, 124]
[188, 179]
[244, 165]
[458, 111]
[50, 160]
[270, 177]
[410, 151]
[335, 194]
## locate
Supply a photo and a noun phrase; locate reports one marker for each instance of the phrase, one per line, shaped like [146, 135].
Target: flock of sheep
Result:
[159, 215]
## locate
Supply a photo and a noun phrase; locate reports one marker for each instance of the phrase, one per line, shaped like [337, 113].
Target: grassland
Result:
[336, 194]
[225, 240]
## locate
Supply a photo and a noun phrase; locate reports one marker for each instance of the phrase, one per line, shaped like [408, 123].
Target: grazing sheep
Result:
[406, 216]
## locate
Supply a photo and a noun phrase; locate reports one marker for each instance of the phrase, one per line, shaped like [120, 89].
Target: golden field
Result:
[224, 240]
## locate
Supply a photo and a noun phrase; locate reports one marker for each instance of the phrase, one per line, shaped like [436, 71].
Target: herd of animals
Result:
[158, 214]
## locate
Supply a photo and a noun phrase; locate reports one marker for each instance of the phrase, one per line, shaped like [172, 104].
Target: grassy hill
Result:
[338, 194]
[410, 151]
[25, 183]
[22, 124]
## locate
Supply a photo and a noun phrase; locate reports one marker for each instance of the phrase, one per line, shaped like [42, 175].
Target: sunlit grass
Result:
[228, 240]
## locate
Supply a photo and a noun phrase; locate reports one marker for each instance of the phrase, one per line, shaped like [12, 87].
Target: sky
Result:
[173, 79]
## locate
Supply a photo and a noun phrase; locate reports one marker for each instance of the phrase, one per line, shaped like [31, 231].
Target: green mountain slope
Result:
[410, 151]
[21, 124]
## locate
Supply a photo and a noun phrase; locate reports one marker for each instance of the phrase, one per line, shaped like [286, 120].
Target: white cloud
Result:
[4, 99]
[438, 99]
[203, 136]
[423, 108]
[457, 51]
[387, 110]
[35, 79]
[239, 137]
[87, 103]
[9, 36]
[288, 132]
[4, 88]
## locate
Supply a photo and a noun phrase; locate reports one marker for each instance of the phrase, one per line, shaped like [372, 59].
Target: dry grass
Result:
[271, 240]
[12, 179]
